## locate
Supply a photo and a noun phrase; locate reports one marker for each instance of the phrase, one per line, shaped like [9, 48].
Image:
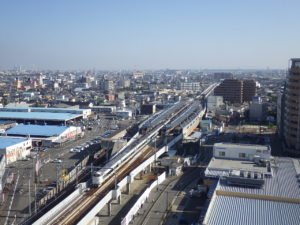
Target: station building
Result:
[15, 148]
[46, 135]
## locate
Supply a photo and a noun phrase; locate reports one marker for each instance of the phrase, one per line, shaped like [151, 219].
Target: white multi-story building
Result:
[214, 102]
[240, 151]
[190, 86]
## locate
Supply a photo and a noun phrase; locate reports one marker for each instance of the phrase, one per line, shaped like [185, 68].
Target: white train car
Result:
[121, 158]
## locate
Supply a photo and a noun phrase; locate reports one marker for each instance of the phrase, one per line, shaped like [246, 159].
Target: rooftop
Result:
[221, 167]
[44, 108]
[38, 116]
[6, 142]
[36, 130]
[243, 146]
[3, 122]
[283, 184]
[248, 211]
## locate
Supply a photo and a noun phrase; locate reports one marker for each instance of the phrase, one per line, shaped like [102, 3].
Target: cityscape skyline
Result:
[149, 35]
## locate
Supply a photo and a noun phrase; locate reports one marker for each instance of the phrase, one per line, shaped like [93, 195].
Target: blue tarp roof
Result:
[6, 142]
[36, 130]
[38, 116]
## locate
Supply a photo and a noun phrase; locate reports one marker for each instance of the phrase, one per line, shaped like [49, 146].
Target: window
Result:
[242, 155]
[221, 153]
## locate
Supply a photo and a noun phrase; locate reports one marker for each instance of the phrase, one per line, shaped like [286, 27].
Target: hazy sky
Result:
[149, 34]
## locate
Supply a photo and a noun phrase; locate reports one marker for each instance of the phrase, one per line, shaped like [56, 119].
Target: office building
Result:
[257, 110]
[249, 90]
[231, 90]
[291, 129]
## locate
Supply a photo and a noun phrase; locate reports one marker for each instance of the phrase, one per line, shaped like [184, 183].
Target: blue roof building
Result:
[15, 148]
[7, 141]
[36, 130]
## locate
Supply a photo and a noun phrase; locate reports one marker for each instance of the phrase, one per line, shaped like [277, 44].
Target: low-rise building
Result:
[240, 151]
[124, 114]
[45, 135]
[15, 148]
[252, 190]
[214, 102]
[148, 109]
[111, 109]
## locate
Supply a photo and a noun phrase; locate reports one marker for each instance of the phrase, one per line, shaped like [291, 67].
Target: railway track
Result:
[82, 205]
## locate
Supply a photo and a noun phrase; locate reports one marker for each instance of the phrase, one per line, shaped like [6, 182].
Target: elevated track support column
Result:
[109, 208]
[116, 195]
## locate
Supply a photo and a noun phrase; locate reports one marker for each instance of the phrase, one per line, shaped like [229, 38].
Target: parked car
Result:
[57, 161]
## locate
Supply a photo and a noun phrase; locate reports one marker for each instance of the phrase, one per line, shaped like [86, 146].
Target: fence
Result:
[144, 197]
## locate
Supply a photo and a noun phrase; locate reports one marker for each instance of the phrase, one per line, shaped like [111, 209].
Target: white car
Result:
[57, 161]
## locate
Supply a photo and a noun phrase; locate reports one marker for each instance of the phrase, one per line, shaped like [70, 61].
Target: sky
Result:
[149, 34]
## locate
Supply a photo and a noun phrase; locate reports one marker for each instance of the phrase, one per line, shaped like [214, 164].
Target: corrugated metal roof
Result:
[284, 183]
[38, 116]
[228, 210]
[6, 142]
[36, 130]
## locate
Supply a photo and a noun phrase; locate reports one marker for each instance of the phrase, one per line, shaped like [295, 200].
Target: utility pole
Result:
[167, 201]
[35, 209]
[29, 195]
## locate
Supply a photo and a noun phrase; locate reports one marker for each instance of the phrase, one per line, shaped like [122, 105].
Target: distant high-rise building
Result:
[109, 85]
[257, 110]
[291, 126]
[40, 80]
[190, 86]
[137, 75]
[219, 76]
[249, 90]
[231, 90]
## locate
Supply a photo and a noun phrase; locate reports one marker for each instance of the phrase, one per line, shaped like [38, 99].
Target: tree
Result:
[4, 101]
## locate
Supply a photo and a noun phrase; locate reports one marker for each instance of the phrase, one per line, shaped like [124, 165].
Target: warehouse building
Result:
[15, 148]
[5, 124]
[46, 135]
[43, 115]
